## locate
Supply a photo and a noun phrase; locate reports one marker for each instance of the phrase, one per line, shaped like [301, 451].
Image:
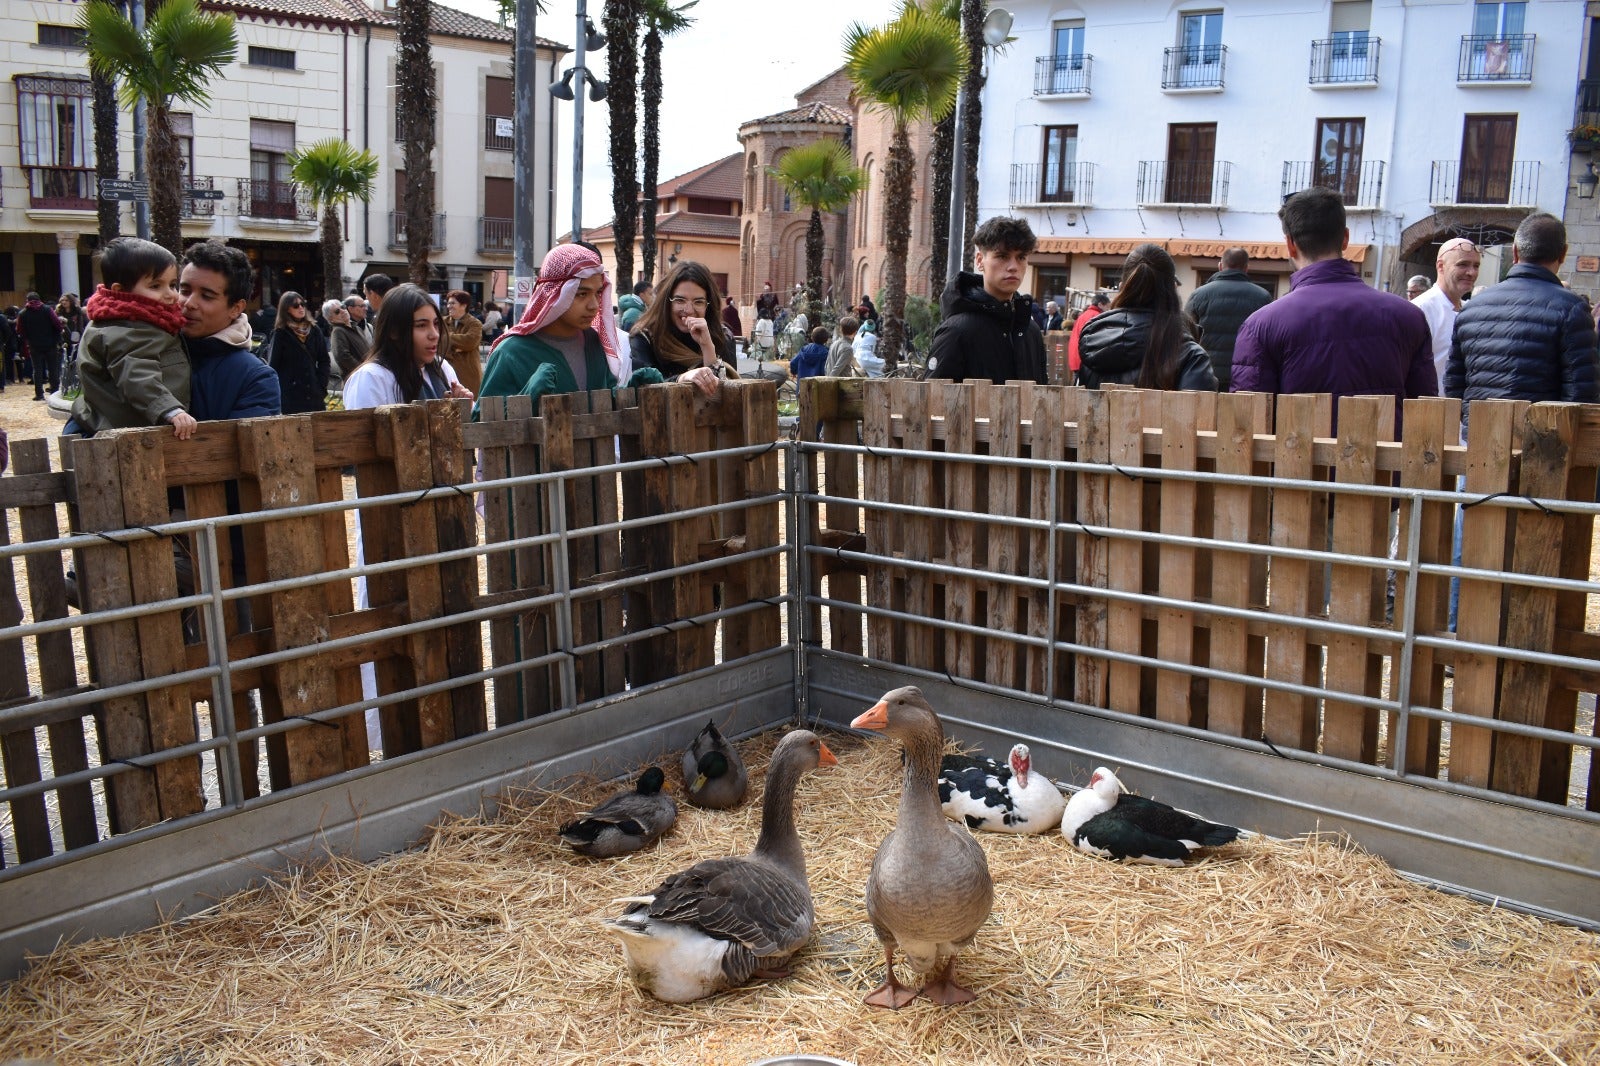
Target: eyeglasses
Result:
[296, 304]
[681, 302]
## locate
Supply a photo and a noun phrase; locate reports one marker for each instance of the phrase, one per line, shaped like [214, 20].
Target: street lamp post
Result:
[588, 40]
[996, 27]
[526, 121]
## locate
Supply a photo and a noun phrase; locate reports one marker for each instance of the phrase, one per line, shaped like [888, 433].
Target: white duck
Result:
[723, 921]
[929, 890]
[1103, 821]
[999, 799]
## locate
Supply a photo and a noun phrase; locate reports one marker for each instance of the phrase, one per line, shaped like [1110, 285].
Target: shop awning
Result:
[1356, 253]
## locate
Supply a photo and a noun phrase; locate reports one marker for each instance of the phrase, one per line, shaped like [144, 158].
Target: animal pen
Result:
[1189, 587]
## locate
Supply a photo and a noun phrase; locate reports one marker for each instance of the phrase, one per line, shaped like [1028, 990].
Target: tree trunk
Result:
[162, 164]
[417, 101]
[622, 33]
[814, 243]
[651, 121]
[942, 155]
[972, 13]
[898, 172]
[332, 253]
[107, 160]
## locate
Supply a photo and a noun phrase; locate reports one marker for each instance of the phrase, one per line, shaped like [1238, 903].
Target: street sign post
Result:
[117, 189]
[202, 194]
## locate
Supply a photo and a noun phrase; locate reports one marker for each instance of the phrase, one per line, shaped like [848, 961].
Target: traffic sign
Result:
[202, 194]
[117, 189]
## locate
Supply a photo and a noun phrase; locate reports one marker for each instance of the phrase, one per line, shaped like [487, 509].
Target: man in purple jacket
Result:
[1332, 333]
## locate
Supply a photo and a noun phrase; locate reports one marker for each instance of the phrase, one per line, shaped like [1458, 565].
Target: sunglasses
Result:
[296, 303]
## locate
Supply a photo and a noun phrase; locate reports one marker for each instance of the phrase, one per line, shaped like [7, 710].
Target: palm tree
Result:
[622, 69]
[661, 19]
[821, 176]
[333, 173]
[180, 51]
[972, 13]
[910, 68]
[417, 100]
[941, 158]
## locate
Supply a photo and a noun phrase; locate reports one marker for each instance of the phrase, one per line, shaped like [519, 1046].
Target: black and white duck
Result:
[713, 773]
[1104, 820]
[626, 822]
[1013, 798]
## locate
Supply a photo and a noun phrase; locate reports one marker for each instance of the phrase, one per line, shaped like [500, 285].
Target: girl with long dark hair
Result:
[403, 365]
[1145, 338]
[680, 333]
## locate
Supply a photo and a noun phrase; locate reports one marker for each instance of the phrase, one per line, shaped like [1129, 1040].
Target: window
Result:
[1200, 35]
[1068, 43]
[1068, 64]
[1492, 19]
[1350, 25]
[1487, 144]
[1108, 277]
[497, 231]
[704, 205]
[1058, 173]
[1338, 155]
[52, 36]
[271, 191]
[55, 128]
[1191, 158]
[183, 130]
[499, 124]
[1499, 50]
[281, 58]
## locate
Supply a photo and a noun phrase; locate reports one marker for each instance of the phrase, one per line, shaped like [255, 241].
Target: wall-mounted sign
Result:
[503, 127]
[1589, 264]
[522, 288]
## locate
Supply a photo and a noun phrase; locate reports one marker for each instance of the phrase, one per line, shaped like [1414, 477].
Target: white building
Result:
[1108, 123]
[304, 70]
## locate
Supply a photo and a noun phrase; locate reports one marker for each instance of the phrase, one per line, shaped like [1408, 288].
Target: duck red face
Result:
[1021, 764]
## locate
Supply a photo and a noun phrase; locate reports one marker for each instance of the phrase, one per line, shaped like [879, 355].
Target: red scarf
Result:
[108, 304]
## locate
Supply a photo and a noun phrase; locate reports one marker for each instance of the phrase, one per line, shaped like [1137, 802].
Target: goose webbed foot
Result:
[891, 994]
[942, 989]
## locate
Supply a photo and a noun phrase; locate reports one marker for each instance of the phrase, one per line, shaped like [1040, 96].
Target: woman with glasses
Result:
[299, 354]
[676, 337]
[347, 346]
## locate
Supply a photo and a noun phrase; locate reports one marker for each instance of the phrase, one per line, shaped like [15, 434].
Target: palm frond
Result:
[116, 50]
[661, 17]
[911, 67]
[190, 47]
[332, 171]
[820, 174]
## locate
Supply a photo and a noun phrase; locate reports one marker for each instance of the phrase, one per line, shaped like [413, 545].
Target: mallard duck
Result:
[723, 921]
[1104, 821]
[929, 890]
[626, 822]
[999, 799]
[713, 774]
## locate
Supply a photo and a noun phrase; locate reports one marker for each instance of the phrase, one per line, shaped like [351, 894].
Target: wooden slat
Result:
[561, 454]
[1485, 545]
[19, 752]
[923, 643]
[1291, 720]
[961, 592]
[458, 528]
[842, 479]
[1431, 425]
[1238, 579]
[763, 628]
[668, 430]
[608, 547]
[1125, 558]
[876, 433]
[538, 692]
[1094, 552]
[1001, 661]
[1177, 576]
[496, 464]
[340, 599]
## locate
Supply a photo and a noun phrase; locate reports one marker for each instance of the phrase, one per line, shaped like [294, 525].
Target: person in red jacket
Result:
[1100, 302]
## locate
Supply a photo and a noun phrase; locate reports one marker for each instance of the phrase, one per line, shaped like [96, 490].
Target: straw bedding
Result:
[482, 946]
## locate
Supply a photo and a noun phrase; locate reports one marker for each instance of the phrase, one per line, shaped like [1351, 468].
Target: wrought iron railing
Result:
[1181, 182]
[1358, 186]
[62, 188]
[1492, 59]
[1456, 186]
[1345, 61]
[1058, 75]
[497, 132]
[1194, 66]
[274, 199]
[1052, 183]
[496, 236]
[397, 230]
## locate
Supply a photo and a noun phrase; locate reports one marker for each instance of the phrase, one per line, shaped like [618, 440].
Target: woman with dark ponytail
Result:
[1145, 339]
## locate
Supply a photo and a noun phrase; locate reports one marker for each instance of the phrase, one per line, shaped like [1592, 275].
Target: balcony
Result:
[281, 200]
[397, 231]
[1361, 188]
[1345, 63]
[1183, 184]
[1194, 68]
[1477, 186]
[498, 133]
[193, 207]
[496, 236]
[1042, 184]
[1496, 60]
[62, 188]
[1587, 110]
[1062, 75]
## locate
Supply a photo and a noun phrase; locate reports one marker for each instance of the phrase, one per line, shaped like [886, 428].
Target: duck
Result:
[999, 799]
[929, 889]
[625, 822]
[721, 922]
[713, 772]
[1103, 820]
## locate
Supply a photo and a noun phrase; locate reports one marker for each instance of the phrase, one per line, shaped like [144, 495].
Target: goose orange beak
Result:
[877, 717]
[826, 757]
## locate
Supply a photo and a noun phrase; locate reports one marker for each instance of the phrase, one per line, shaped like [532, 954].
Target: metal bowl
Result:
[802, 1060]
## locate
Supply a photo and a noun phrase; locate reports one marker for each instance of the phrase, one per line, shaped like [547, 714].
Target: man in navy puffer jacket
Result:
[1529, 337]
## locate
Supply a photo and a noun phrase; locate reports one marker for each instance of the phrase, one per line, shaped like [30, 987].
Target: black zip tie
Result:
[423, 495]
[756, 455]
[313, 721]
[1090, 532]
[1124, 473]
[1510, 495]
[1272, 747]
[109, 539]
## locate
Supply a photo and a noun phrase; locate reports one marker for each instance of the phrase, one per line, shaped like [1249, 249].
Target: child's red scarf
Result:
[107, 304]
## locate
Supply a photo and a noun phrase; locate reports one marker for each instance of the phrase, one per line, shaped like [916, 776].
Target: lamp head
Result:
[1586, 183]
[597, 88]
[593, 39]
[562, 90]
[996, 27]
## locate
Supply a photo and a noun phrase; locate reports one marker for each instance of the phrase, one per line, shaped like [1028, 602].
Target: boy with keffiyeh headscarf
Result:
[566, 340]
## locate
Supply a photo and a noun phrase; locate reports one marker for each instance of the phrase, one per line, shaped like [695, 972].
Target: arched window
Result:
[747, 264]
[864, 200]
[752, 168]
[777, 196]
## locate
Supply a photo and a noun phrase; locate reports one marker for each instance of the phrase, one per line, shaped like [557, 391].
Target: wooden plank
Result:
[668, 430]
[279, 454]
[1485, 545]
[1238, 512]
[340, 600]
[1291, 720]
[1091, 673]
[1356, 595]
[1125, 558]
[1577, 546]
[103, 585]
[457, 529]
[1001, 661]
[560, 453]
[538, 692]
[762, 578]
[1431, 425]
[1048, 442]
[495, 464]
[1548, 433]
[19, 751]
[877, 434]
[1177, 573]
[916, 486]
[379, 540]
[842, 479]
[608, 546]
[961, 592]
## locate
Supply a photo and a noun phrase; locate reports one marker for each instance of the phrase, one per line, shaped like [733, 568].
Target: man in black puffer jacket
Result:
[1529, 337]
[1220, 307]
[987, 330]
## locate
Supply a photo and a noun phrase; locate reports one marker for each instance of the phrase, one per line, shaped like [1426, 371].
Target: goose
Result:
[929, 890]
[713, 774]
[723, 921]
[999, 799]
[626, 822]
[1102, 820]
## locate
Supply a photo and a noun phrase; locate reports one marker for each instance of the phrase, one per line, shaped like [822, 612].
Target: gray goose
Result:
[929, 890]
[626, 822]
[723, 921]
